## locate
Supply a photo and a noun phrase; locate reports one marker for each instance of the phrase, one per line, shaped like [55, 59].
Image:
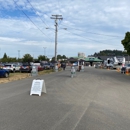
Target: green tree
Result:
[41, 58]
[27, 58]
[126, 42]
[11, 59]
[59, 57]
[110, 53]
[64, 57]
[5, 56]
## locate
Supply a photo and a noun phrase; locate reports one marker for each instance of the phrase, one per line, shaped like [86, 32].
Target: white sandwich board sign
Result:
[38, 86]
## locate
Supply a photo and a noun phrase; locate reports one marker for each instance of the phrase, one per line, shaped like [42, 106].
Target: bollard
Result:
[82, 68]
[34, 71]
[72, 75]
[73, 72]
[56, 68]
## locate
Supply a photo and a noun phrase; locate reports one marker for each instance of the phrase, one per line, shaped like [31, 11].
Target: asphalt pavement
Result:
[96, 99]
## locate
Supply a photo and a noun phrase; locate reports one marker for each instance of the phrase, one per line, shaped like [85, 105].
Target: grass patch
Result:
[45, 72]
[18, 75]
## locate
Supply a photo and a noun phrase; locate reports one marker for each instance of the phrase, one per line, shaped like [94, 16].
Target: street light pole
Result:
[18, 54]
[44, 51]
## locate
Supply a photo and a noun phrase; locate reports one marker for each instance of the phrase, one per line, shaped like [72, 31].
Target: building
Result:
[81, 54]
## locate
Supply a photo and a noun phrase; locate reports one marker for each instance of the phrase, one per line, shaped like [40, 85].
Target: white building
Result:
[81, 54]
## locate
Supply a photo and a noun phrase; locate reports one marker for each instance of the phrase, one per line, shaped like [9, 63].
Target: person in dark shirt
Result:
[64, 66]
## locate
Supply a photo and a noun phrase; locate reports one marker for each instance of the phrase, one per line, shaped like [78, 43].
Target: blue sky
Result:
[91, 25]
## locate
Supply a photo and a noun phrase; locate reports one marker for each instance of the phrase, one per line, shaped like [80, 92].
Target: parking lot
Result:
[96, 99]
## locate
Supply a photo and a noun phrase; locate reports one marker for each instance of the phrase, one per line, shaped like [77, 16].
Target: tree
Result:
[5, 56]
[59, 57]
[41, 58]
[11, 59]
[64, 57]
[27, 58]
[126, 42]
[110, 53]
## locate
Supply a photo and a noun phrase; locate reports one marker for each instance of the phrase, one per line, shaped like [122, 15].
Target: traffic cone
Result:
[127, 72]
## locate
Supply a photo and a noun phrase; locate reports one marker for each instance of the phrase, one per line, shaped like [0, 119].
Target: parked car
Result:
[47, 66]
[52, 65]
[26, 67]
[75, 64]
[1, 65]
[4, 73]
[10, 66]
[17, 68]
[126, 67]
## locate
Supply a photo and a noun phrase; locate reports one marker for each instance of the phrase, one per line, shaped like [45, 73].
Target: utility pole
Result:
[56, 17]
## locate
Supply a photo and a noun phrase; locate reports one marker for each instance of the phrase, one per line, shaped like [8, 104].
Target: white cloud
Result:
[7, 39]
[81, 18]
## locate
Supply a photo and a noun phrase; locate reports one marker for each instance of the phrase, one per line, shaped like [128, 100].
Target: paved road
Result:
[96, 99]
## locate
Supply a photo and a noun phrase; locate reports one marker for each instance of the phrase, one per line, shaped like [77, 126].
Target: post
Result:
[44, 51]
[18, 54]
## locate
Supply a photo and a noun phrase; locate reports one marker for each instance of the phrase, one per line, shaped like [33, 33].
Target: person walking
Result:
[64, 66]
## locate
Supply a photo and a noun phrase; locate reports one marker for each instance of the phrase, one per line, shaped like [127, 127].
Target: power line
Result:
[87, 38]
[30, 20]
[92, 32]
[35, 12]
[59, 10]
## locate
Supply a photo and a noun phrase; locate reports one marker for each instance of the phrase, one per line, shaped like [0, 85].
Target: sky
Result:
[88, 26]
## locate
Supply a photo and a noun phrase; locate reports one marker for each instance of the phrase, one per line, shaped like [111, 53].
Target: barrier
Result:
[82, 68]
